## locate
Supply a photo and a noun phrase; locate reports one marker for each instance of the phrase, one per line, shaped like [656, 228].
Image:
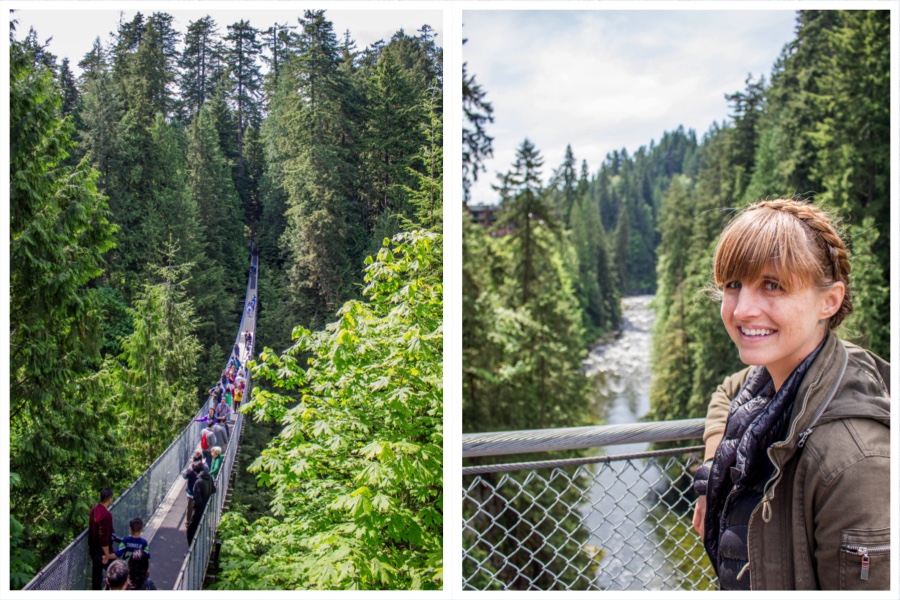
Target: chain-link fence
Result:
[620, 522]
[71, 569]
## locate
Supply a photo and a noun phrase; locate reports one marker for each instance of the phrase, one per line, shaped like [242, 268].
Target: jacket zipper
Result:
[864, 552]
[801, 440]
[776, 477]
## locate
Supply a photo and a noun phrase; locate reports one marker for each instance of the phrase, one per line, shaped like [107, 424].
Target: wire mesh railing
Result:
[71, 568]
[616, 522]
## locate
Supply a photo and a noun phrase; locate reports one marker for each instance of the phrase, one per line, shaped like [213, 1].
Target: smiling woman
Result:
[800, 440]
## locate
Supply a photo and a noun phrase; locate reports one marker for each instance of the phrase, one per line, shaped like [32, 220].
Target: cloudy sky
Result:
[604, 80]
[74, 30]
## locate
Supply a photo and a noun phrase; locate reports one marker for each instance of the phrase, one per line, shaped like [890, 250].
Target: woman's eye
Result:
[771, 286]
[733, 285]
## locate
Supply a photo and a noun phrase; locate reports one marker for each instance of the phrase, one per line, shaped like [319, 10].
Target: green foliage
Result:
[108, 353]
[21, 559]
[476, 142]
[522, 370]
[160, 356]
[59, 233]
[309, 151]
[201, 64]
[357, 469]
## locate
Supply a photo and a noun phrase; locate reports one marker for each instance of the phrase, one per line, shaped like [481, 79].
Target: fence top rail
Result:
[577, 438]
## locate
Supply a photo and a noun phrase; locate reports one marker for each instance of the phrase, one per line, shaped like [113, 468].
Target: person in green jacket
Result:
[217, 460]
[794, 494]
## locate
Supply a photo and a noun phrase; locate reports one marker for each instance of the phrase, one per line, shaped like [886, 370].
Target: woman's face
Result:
[774, 328]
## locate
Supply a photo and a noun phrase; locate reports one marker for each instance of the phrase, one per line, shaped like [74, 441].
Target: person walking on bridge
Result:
[223, 413]
[100, 531]
[191, 477]
[202, 490]
[117, 575]
[218, 459]
[222, 435]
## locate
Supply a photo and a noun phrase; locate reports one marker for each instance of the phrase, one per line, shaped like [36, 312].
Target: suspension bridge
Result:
[158, 497]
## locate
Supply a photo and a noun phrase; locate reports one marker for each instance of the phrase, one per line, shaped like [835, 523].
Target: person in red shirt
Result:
[100, 531]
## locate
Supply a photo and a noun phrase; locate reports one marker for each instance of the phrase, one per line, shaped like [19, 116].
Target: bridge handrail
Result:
[577, 438]
[73, 564]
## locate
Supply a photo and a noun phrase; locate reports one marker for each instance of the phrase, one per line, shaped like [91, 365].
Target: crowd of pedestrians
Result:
[128, 566]
[203, 471]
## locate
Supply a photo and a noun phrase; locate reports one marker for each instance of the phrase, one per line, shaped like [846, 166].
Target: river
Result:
[613, 513]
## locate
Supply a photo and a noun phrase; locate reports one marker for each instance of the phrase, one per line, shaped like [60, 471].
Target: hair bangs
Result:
[766, 243]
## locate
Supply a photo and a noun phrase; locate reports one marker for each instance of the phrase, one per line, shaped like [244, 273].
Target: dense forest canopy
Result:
[138, 189]
[542, 283]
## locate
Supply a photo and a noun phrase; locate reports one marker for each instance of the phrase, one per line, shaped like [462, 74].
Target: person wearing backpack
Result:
[191, 478]
[203, 489]
[207, 441]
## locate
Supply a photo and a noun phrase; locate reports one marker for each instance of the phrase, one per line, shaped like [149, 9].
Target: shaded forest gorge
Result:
[138, 188]
[544, 282]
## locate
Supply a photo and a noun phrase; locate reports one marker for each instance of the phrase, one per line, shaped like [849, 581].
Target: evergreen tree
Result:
[477, 112]
[59, 232]
[160, 357]
[93, 64]
[427, 197]
[242, 51]
[309, 135]
[520, 192]
[200, 64]
[218, 280]
[393, 132]
[101, 111]
[280, 41]
[68, 88]
[566, 180]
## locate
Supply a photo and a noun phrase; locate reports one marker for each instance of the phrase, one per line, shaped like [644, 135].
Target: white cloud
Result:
[603, 80]
[74, 30]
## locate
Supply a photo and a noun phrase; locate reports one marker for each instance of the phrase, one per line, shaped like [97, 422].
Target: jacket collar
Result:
[834, 388]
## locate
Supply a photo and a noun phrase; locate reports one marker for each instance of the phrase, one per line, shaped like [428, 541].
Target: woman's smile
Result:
[771, 326]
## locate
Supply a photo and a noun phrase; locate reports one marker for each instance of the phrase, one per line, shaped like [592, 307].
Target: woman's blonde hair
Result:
[798, 239]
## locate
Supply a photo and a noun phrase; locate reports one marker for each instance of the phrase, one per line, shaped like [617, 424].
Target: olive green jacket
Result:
[830, 494]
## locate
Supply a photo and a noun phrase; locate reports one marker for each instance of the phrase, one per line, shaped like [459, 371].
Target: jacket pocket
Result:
[865, 559]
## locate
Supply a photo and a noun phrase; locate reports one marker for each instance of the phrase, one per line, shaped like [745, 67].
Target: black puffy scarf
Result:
[758, 418]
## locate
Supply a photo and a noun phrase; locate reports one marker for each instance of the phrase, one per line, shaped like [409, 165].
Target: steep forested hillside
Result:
[138, 189]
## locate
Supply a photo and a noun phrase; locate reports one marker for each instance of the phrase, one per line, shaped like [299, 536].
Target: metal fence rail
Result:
[71, 568]
[620, 522]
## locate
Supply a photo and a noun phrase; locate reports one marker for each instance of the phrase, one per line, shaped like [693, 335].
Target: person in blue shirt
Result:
[134, 541]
